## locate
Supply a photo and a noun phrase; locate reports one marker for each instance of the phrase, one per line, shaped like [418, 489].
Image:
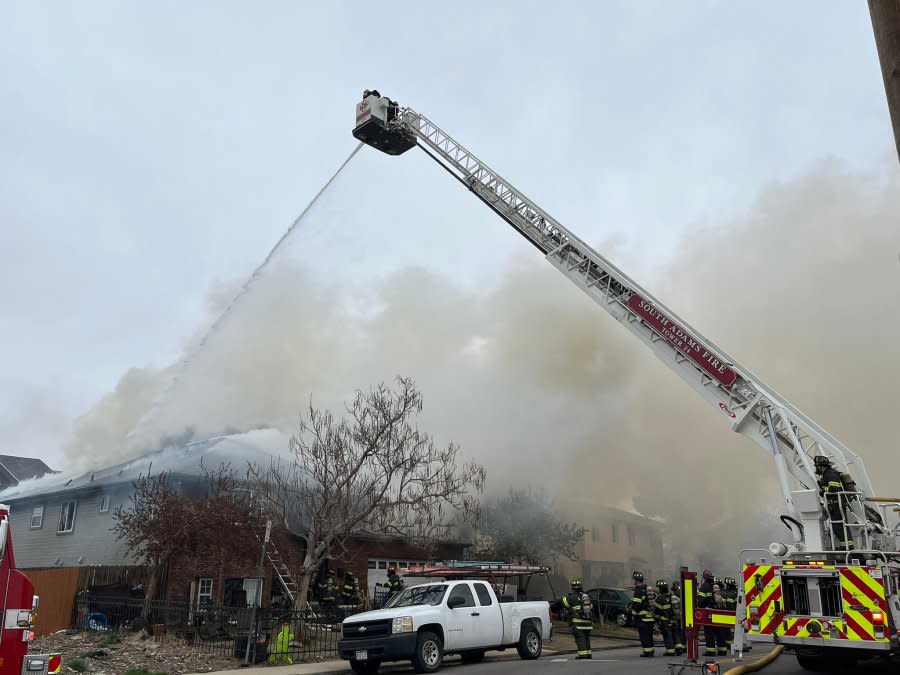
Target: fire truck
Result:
[20, 606]
[826, 599]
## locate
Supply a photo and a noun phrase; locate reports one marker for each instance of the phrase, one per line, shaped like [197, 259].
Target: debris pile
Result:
[118, 653]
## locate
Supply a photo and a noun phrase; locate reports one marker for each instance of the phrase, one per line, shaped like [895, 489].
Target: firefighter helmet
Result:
[576, 585]
[821, 462]
[729, 581]
[638, 576]
[662, 585]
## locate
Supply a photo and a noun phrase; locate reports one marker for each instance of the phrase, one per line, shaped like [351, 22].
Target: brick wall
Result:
[178, 586]
[355, 560]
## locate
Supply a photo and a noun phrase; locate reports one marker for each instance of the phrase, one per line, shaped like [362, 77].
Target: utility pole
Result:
[886, 24]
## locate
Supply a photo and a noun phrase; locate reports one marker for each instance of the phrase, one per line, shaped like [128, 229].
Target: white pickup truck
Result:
[424, 623]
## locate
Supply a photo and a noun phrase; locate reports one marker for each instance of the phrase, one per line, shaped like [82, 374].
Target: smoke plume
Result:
[545, 389]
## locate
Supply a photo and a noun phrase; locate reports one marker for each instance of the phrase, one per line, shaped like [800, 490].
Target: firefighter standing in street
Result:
[722, 634]
[731, 597]
[663, 611]
[831, 482]
[678, 628]
[579, 609]
[640, 590]
[395, 583]
[642, 614]
[705, 599]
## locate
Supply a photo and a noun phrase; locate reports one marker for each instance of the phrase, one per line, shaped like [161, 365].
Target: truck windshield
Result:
[419, 595]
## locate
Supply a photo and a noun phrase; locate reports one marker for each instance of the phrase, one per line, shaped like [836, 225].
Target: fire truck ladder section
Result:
[754, 409]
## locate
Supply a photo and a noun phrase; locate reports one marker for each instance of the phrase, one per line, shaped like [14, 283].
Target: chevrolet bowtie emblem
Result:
[362, 629]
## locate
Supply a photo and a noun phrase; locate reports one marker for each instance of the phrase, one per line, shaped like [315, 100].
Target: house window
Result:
[37, 517]
[104, 503]
[615, 533]
[630, 536]
[252, 587]
[595, 534]
[66, 517]
[204, 592]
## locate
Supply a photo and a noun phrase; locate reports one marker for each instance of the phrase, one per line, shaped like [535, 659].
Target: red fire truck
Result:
[19, 613]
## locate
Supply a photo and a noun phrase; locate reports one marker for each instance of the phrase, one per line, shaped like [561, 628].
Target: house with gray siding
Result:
[62, 520]
[62, 527]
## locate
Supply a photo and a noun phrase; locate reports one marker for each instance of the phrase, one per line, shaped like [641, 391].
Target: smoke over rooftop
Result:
[546, 389]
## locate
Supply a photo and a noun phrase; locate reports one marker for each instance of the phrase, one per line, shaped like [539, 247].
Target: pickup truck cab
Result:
[424, 623]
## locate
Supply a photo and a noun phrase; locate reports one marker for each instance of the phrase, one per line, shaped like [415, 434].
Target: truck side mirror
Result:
[455, 602]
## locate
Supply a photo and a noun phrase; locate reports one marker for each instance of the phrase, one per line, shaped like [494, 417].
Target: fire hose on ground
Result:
[759, 664]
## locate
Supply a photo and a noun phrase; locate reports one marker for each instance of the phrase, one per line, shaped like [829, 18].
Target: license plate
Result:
[362, 655]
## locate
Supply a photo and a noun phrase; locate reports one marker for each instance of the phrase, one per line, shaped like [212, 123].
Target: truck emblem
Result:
[362, 629]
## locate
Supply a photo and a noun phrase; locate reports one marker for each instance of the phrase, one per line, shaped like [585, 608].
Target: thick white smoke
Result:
[544, 388]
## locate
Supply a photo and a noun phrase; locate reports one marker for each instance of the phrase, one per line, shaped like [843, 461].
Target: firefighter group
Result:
[330, 594]
[655, 610]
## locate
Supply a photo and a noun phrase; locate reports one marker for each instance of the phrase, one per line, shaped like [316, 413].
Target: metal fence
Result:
[301, 635]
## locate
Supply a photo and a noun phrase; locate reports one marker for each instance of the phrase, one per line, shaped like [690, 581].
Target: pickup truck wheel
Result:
[530, 643]
[365, 667]
[429, 653]
[473, 657]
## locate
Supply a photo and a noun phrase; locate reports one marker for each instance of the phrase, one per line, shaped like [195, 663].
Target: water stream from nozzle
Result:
[133, 435]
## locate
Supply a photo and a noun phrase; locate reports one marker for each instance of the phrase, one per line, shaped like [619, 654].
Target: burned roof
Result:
[186, 460]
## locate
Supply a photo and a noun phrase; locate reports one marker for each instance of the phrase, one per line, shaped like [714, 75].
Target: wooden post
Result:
[886, 25]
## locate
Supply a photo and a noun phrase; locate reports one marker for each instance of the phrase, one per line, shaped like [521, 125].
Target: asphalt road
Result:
[626, 660]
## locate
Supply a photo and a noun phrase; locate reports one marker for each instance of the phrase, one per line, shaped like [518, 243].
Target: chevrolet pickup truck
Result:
[424, 623]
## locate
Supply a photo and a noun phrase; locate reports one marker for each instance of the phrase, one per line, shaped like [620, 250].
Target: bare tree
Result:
[163, 525]
[371, 470]
[524, 527]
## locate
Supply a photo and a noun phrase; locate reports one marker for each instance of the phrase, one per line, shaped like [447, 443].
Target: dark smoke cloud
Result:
[545, 389]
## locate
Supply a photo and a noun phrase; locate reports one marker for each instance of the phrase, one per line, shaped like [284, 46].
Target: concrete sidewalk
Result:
[337, 666]
[296, 669]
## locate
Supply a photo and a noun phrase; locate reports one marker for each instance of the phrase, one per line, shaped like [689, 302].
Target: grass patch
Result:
[111, 640]
[78, 665]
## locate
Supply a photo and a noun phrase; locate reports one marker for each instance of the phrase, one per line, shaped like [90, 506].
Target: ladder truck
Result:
[818, 595]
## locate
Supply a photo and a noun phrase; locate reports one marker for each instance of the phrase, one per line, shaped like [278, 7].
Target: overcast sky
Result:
[152, 150]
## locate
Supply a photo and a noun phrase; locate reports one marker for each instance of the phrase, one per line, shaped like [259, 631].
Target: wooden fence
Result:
[58, 587]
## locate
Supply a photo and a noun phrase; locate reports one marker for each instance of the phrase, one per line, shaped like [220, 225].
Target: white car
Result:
[424, 623]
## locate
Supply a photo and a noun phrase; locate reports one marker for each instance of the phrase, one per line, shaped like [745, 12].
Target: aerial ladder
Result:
[864, 610]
